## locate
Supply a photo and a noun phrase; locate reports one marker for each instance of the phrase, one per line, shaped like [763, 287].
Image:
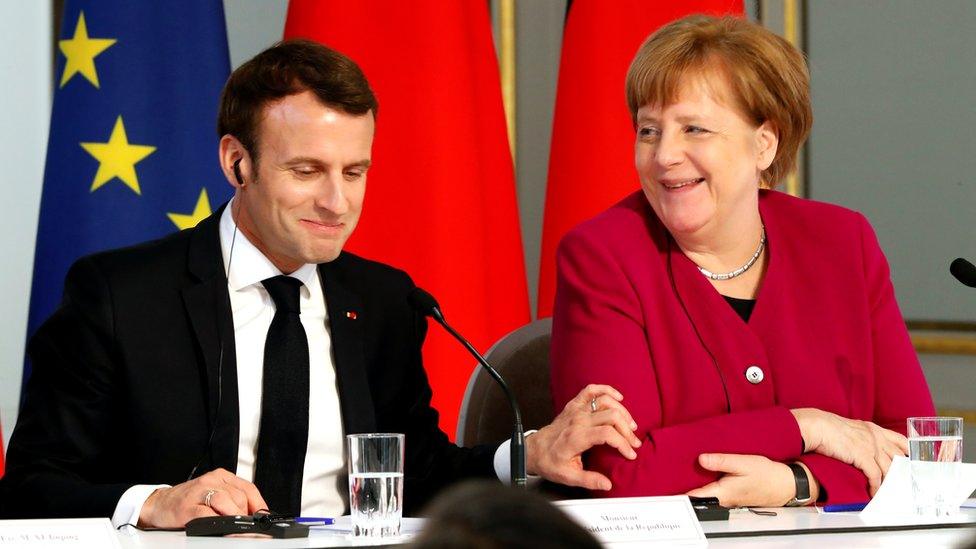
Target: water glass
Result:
[935, 451]
[376, 484]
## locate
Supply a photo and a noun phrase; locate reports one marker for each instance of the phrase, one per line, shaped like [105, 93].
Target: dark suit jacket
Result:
[125, 378]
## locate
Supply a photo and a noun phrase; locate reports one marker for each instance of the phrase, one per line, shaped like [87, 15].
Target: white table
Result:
[178, 540]
[756, 531]
[318, 537]
[807, 527]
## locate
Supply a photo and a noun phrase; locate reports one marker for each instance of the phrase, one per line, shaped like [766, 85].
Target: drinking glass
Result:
[935, 451]
[376, 483]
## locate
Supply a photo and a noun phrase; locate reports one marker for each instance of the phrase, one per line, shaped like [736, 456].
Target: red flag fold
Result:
[441, 194]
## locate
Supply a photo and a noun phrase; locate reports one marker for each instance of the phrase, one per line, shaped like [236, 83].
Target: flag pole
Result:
[507, 66]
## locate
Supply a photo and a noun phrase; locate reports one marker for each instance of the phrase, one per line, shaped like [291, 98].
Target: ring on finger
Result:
[208, 497]
[593, 404]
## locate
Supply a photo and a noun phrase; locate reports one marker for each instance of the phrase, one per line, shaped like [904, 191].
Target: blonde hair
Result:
[767, 77]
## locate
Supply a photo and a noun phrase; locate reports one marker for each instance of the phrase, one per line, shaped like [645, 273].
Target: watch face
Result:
[795, 502]
[802, 494]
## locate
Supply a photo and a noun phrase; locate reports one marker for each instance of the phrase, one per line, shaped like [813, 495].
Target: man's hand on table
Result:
[174, 507]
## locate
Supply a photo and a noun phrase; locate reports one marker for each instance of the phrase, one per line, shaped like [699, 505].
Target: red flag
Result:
[591, 159]
[441, 194]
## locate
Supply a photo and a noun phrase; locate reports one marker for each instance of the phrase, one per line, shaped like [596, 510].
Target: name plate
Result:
[89, 533]
[615, 521]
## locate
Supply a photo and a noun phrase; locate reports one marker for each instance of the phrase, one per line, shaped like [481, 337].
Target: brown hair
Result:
[284, 69]
[766, 75]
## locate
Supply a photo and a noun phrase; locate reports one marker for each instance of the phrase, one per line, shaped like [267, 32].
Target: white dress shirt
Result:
[324, 484]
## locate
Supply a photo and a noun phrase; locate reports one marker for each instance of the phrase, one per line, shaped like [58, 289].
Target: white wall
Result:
[25, 98]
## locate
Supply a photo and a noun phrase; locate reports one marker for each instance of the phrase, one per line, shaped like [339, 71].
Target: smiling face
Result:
[700, 159]
[306, 197]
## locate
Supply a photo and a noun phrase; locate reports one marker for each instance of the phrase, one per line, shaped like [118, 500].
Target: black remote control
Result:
[709, 509]
[280, 528]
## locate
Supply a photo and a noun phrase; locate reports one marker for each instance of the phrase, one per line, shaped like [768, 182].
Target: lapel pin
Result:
[351, 315]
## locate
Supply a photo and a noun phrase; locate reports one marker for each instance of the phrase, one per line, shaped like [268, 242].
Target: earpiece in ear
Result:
[237, 172]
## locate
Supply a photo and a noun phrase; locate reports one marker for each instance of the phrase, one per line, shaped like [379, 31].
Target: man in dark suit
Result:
[247, 347]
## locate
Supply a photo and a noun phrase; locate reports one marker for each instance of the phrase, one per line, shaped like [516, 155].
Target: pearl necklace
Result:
[742, 269]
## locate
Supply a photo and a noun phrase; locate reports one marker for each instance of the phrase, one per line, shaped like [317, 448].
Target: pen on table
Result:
[314, 521]
[845, 507]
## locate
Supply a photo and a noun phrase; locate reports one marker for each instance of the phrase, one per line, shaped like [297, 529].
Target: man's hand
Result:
[555, 452]
[862, 444]
[750, 481]
[174, 507]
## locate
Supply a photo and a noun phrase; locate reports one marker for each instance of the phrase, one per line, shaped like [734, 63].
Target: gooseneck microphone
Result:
[964, 272]
[425, 304]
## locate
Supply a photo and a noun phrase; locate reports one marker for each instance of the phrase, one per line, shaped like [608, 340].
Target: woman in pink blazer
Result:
[755, 336]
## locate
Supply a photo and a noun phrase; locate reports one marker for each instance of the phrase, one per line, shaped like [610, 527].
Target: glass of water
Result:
[935, 450]
[376, 483]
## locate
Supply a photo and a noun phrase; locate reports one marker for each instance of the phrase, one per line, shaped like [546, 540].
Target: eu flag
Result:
[132, 152]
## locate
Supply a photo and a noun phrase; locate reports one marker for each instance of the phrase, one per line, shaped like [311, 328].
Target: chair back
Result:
[522, 359]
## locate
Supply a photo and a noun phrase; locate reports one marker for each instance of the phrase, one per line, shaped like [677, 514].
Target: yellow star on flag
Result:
[80, 52]
[117, 158]
[200, 212]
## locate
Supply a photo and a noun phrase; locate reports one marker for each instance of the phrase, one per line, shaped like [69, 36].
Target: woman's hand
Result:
[862, 444]
[594, 417]
[750, 481]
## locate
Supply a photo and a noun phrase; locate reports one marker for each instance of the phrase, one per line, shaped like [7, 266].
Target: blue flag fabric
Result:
[132, 152]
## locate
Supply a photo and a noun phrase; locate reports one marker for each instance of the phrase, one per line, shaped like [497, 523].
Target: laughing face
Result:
[307, 194]
[700, 159]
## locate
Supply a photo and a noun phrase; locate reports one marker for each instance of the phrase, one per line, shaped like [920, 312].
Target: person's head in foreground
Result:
[482, 515]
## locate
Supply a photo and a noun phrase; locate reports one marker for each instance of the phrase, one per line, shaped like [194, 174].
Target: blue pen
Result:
[845, 507]
[314, 521]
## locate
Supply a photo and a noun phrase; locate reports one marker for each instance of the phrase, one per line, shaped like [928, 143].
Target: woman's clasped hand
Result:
[863, 444]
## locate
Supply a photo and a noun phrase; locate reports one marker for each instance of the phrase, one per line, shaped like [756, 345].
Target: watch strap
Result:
[802, 496]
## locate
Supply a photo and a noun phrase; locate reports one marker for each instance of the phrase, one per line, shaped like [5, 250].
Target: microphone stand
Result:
[963, 271]
[518, 436]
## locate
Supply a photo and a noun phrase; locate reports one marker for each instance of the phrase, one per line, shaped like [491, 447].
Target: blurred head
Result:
[482, 515]
[296, 125]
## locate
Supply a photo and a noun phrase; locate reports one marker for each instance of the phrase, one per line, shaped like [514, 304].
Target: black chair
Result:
[522, 359]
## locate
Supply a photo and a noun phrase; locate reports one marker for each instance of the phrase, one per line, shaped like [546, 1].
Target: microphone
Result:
[425, 304]
[964, 272]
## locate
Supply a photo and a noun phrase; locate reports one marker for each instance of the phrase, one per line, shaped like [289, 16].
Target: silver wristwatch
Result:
[802, 496]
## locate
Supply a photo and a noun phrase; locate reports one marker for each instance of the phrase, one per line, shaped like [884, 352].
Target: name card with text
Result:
[615, 521]
[90, 533]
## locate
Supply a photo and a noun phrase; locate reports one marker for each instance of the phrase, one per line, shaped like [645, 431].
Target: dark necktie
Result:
[283, 434]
